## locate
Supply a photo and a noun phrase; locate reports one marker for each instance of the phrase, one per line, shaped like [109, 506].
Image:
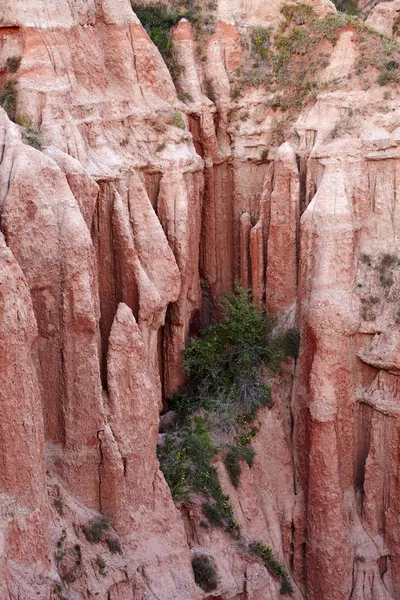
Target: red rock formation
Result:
[117, 241]
[282, 233]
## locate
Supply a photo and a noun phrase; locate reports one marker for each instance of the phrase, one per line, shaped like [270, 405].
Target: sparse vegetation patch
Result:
[205, 573]
[101, 564]
[369, 306]
[114, 545]
[178, 120]
[30, 134]
[348, 6]
[13, 63]
[289, 62]
[273, 566]
[219, 401]
[159, 21]
[233, 460]
[384, 270]
[8, 98]
[387, 266]
[95, 530]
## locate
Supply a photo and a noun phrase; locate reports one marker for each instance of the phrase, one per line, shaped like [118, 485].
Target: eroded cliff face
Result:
[117, 238]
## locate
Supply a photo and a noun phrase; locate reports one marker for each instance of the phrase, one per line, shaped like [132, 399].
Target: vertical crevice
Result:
[100, 467]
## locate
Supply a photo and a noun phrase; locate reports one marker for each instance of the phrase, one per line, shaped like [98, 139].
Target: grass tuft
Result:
[8, 98]
[114, 545]
[349, 7]
[177, 120]
[233, 462]
[101, 564]
[30, 134]
[95, 530]
[273, 566]
[205, 573]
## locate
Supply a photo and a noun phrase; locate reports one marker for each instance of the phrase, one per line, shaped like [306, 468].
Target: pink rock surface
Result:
[116, 243]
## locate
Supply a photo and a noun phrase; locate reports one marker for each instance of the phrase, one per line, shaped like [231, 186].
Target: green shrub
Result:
[33, 139]
[261, 41]
[223, 392]
[94, 531]
[273, 566]
[60, 554]
[299, 14]
[387, 77]
[233, 462]
[349, 7]
[8, 98]
[290, 342]
[186, 457]
[178, 120]
[286, 587]
[212, 513]
[223, 365]
[30, 134]
[158, 21]
[205, 573]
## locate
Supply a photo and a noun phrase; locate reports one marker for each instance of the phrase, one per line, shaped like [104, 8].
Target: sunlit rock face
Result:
[130, 202]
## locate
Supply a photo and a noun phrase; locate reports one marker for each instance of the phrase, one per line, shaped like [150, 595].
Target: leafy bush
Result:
[233, 462]
[205, 573]
[223, 392]
[212, 513]
[186, 461]
[95, 530]
[261, 40]
[158, 21]
[273, 566]
[187, 452]
[223, 365]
